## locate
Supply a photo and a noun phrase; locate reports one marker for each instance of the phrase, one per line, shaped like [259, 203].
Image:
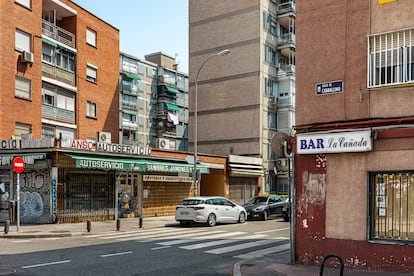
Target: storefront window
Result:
[392, 206]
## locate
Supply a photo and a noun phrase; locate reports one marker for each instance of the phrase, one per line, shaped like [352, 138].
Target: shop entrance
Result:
[129, 187]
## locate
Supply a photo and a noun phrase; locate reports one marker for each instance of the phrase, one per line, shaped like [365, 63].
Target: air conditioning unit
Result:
[282, 165]
[27, 57]
[273, 100]
[163, 143]
[104, 137]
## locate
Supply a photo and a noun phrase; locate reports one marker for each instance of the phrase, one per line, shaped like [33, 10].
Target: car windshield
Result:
[258, 199]
[192, 201]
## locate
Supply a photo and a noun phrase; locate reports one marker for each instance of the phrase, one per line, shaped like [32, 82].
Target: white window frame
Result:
[21, 128]
[91, 37]
[391, 58]
[23, 41]
[91, 109]
[23, 88]
[91, 73]
[25, 3]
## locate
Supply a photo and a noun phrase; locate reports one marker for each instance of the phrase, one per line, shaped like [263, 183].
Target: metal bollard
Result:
[88, 226]
[118, 224]
[140, 222]
[6, 226]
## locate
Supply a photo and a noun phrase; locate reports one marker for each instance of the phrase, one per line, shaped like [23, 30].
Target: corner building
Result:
[354, 147]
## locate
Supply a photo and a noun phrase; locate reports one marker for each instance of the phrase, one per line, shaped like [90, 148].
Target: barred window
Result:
[392, 206]
[391, 58]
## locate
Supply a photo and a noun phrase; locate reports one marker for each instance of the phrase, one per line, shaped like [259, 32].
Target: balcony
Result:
[58, 34]
[58, 114]
[287, 39]
[58, 73]
[286, 70]
[288, 7]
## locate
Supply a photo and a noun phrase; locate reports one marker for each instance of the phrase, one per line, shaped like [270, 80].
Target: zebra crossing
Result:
[211, 241]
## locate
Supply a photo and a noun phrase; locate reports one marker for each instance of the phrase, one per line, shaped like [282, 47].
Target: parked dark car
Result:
[264, 206]
[286, 210]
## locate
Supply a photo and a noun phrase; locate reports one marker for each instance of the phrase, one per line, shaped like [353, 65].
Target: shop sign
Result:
[352, 141]
[157, 167]
[128, 149]
[10, 144]
[44, 142]
[332, 87]
[103, 165]
[82, 144]
[167, 178]
[28, 159]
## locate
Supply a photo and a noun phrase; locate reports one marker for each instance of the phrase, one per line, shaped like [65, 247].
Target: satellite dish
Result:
[278, 141]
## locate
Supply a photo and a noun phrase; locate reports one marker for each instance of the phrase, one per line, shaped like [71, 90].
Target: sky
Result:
[146, 26]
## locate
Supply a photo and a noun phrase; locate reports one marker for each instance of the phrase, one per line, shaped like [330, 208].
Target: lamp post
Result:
[195, 174]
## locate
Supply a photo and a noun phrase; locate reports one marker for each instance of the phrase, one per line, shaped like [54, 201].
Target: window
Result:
[26, 3]
[129, 117]
[269, 22]
[392, 206]
[22, 129]
[91, 37]
[270, 55]
[271, 117]
[151, 72]
[23, 41]
[270, 87]
[391, 58]
[23, 88]
[91, 109]
[91, 72]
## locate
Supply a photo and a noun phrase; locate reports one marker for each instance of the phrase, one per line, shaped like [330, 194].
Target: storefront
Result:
[91, 181]
[355, 197]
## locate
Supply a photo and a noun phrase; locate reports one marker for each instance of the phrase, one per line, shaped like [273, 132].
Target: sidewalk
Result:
[274, 264]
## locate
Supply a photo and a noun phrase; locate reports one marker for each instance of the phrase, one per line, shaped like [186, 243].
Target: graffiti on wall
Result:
[35, 196]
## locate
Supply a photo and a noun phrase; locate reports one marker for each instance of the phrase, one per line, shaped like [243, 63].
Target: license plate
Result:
[184, 213]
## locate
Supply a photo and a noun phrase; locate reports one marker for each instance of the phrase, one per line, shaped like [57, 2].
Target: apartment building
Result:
[246, 97]
[153, 102]
[354, 133]
[55, 49]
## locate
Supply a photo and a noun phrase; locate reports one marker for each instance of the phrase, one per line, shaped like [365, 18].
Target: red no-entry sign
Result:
[18, 164]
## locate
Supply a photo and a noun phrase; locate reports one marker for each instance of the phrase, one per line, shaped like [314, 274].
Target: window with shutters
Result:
[91, 73]
[91, 37]
[23, 88]
[91, 109]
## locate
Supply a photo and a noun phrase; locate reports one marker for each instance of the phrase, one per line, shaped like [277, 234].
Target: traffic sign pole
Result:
[18, 200]
[18, 167]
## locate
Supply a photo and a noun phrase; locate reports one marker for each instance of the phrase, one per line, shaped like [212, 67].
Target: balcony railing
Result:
[58, 73]
[286, 70]
[286, 7]
[288, 38]
[58, 114]
[58, 34]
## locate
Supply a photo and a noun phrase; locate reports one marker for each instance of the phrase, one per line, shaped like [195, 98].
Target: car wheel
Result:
[211, 220]
[264, 216]
[242, 217]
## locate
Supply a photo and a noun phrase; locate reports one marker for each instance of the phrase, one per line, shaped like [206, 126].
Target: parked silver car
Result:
[210, 210]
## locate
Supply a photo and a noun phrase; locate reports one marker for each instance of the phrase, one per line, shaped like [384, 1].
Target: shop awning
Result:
[136, 165]
[172, 89]
[47, 41]
[246, 170]
[130, 76]
[172, 107]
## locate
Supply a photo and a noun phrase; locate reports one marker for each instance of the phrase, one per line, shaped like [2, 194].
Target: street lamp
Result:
[195, 173]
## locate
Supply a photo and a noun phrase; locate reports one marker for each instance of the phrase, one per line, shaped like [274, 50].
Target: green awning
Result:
[130, 76]
[108, 163]
[136, 165]
[47, 41]
[172, 107]
[172, 89]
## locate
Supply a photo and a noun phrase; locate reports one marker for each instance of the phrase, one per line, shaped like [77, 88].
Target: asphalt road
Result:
[175, 250]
